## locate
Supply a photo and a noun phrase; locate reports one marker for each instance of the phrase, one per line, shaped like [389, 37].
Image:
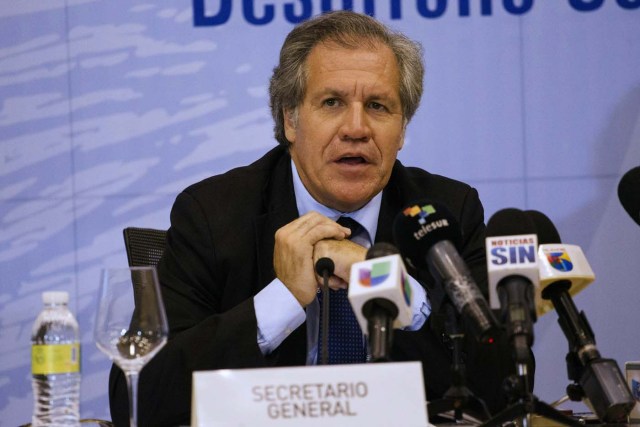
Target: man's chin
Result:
[347, 201]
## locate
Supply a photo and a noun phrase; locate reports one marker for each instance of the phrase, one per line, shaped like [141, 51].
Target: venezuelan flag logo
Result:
[377, 275]
[421, 211]
[560, 261]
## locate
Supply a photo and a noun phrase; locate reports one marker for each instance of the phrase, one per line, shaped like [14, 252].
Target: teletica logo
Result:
[513, 255]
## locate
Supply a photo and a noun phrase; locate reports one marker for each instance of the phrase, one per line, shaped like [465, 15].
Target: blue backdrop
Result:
[109, 108]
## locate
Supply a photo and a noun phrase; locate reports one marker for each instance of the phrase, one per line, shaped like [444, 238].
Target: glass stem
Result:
[132, 385]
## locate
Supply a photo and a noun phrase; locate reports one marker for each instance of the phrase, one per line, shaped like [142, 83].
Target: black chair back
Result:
[144, 245]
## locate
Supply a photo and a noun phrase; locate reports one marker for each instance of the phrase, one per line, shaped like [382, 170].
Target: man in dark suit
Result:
[238, 277]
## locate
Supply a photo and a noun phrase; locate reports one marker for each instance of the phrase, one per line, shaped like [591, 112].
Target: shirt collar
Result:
[367, 215]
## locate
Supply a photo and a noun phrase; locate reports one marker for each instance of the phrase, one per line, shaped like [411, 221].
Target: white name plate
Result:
[380, 394]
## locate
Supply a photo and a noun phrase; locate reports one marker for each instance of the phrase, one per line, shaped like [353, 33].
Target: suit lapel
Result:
[399, 193]
[392, 202]
[279, 209]
[388, 209]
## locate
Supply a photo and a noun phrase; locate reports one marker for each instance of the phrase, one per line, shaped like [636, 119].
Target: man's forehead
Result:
[334, 69]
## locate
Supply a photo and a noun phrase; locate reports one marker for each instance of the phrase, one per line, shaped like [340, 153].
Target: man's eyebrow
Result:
[378, 94]
[332, 91]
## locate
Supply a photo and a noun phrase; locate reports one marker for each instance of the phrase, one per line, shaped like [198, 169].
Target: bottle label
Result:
[55, 359]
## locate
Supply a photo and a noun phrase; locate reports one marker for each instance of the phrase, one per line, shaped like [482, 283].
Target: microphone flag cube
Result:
[511, 256]
[383, 277]
[560, 261]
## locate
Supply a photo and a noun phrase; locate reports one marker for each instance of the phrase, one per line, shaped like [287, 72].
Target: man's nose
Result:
[355, 126]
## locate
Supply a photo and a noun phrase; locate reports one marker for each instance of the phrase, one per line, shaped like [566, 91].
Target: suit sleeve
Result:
[205, 333]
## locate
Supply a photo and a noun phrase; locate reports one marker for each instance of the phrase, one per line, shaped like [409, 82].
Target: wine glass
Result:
[131, 325]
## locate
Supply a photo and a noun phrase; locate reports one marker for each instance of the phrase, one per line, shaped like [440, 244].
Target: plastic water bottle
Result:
[55, 364]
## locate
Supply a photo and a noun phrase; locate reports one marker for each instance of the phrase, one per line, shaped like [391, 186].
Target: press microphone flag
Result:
[509, 254]
[562, 261]
[558, 261]
[380, 278]
[512, 268]
[427, 235]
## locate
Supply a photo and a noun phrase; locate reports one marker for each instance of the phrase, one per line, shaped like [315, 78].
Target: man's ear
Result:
[404, 133]
[289, 124]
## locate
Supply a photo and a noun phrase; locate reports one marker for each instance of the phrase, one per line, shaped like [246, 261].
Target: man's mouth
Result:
[349, 160]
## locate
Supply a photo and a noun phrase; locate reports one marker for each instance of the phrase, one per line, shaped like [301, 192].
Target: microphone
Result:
[600, 379]
[427, 235]
[324, 268]
[512, 267]
[558, 261]
[629, 193]
[380, 295]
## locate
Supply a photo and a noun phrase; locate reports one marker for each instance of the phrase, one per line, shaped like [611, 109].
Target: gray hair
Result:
[349, 30]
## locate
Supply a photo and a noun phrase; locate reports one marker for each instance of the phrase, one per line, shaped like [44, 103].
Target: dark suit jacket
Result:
[220, 254]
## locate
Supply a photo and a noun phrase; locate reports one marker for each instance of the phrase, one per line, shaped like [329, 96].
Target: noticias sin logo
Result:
[510, 251]
[560, 261]
[376, 275]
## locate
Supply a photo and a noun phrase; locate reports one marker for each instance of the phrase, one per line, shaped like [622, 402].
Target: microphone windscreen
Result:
[420, 226]
[511, 247]
[378, 250]
[547, 232]
[325, 264]
[509, 222]
[629, 193]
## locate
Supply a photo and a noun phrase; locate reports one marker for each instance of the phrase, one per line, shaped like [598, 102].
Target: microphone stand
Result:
[458, 398]
[518, 310]
[324, 268]
[528, 404]
[594, 377]
[380, 314]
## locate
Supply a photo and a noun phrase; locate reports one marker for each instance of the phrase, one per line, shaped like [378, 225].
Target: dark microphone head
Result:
[381, 249]
[547, 232]
[325, 264]
[629, 193]
[420, 226]
[509, 222]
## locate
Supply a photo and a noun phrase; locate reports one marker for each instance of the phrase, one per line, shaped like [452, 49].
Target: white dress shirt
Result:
[279, 313]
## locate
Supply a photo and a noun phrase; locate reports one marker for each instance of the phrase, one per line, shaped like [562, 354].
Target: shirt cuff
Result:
[278, 314]
[420, 306]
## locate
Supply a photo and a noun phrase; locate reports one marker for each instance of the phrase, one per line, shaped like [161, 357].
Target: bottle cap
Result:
[55, 297]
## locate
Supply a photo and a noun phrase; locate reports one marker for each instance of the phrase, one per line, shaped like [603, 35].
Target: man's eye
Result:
[376, 106]
[331, 102]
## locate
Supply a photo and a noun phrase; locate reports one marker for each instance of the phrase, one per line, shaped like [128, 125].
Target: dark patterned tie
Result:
[345, 340]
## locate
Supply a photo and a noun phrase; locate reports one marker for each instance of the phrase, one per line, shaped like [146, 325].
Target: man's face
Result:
[349, 126]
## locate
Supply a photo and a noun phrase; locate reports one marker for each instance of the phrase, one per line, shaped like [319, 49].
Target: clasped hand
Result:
[299, 244]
